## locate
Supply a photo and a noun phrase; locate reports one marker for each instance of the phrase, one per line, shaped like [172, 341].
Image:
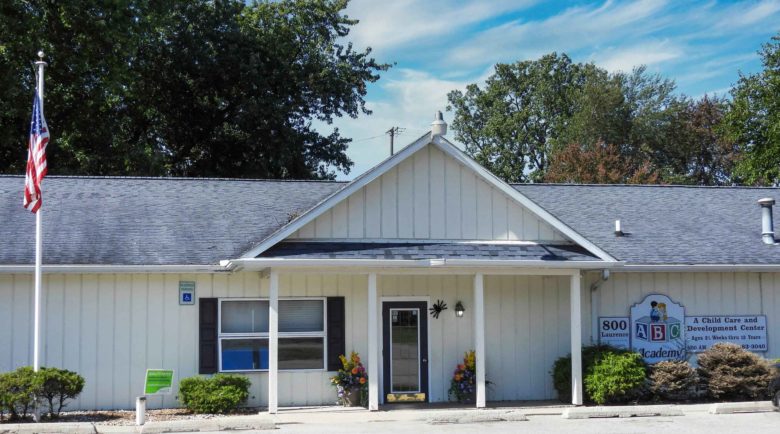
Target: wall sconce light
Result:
[459, 309]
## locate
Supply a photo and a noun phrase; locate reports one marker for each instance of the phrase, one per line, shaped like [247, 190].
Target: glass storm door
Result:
[405, 336]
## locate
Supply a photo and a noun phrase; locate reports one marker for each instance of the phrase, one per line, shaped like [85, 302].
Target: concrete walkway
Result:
[445, 418]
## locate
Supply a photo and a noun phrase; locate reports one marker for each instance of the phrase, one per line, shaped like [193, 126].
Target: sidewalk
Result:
[325, 419]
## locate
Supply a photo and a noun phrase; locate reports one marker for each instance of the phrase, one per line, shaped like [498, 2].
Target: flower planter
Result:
[351, 397]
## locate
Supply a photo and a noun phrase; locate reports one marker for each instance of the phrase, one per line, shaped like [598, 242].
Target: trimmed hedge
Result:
[218, 394]
[17, 392]
[733, 373]
[616, 377]
[57, 386]
[20, 388]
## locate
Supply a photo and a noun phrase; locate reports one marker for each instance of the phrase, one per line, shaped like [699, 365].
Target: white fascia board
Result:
[331, 201]
[507, 189]
[263, 263]
[699, 268]
[78, 268]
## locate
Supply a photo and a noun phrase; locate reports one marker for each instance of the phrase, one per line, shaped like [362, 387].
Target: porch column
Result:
[273, 342]
[479, 336]
[576, 339]
[373, 345]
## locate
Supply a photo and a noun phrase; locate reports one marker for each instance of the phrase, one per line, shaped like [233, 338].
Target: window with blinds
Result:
[243, 334]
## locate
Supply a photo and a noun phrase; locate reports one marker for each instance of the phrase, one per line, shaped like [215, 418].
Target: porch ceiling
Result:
[427, 250]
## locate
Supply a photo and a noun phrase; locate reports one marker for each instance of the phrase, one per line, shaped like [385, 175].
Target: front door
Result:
[405, 351]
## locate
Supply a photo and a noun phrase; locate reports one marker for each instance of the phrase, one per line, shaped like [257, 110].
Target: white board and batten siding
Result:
[429, 196]
[111, 327]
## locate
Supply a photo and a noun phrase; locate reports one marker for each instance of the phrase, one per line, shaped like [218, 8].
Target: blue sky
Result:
[438, 46]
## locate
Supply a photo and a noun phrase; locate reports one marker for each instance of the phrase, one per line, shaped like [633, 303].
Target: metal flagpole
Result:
[38, 254]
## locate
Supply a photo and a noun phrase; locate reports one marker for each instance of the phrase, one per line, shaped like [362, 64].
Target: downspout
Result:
[595, 300]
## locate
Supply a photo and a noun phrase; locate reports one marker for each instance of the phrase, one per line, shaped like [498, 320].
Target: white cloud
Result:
[574, 28]
[391, 24]
[746, 14]
[626, 58]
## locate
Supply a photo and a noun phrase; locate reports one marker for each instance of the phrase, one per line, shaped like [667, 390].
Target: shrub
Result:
[18, 389]
[218, 394]
[561, 372]
[731, 372]
[673, 380]
[56, 386]
[616, 377]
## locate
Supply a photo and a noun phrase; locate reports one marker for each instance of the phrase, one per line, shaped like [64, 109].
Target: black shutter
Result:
[208, 336]
[336, 332]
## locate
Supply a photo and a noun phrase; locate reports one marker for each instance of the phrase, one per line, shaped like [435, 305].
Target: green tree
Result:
[199, 88]
[531, 110]
[697, 152]
[753, 120]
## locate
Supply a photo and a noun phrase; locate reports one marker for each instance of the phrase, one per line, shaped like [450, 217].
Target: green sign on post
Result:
[158, 382]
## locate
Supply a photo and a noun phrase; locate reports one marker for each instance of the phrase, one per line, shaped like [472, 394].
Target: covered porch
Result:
[519, 316]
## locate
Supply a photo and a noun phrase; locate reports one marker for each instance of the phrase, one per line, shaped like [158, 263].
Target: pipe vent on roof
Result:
[767, 225]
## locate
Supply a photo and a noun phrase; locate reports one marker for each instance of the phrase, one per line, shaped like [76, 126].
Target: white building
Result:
[288, 275]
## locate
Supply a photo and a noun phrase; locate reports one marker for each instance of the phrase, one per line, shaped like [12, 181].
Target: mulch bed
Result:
[127, 417]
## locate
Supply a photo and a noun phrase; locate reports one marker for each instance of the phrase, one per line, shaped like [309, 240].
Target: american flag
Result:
[36, 158]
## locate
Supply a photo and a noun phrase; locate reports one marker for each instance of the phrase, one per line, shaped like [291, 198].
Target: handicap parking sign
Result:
[186, 292]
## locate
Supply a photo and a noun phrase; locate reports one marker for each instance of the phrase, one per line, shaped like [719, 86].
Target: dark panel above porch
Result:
[416, 251]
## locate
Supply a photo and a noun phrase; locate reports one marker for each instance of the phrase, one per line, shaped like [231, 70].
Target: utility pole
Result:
[392, 132]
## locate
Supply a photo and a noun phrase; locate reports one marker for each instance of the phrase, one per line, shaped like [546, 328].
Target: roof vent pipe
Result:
[767, 226]
[439, 127]
[618, 229]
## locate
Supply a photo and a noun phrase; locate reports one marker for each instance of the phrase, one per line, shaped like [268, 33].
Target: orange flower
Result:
[458, 377]
[461, 367]
[363, 380]
[354, 370]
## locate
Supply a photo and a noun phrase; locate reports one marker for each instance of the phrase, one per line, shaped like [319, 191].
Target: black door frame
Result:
[423, 328]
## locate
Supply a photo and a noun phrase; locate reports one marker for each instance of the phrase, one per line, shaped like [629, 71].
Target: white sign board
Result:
[614, 331]
[749, 331]
[657, 329]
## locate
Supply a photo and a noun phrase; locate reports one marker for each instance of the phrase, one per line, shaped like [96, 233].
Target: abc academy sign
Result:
[657, 329]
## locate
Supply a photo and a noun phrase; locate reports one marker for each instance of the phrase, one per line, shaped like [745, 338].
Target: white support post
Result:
[576, 340]
[273, 342]
[373, 345]
[479, 337]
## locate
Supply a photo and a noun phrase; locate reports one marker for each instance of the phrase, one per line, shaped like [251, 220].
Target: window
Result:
[243, 334]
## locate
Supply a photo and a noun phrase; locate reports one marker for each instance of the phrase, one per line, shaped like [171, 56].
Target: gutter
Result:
[262, 263]
[700, 268]
[87, 268]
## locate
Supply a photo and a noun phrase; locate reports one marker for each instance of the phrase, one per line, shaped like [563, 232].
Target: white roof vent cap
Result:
[439, 127]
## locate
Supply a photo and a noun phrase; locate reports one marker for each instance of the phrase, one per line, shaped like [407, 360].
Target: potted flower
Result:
[351, 382]
[463, 386]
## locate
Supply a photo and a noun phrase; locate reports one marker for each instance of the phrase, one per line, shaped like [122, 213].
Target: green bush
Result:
[673, 380]
[561, 372]
[731, 372]
[218, 394]
[56, 386]
[18, 390]
[616, 378]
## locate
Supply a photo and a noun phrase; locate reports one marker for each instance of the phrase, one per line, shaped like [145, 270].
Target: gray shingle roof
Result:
[413, 251]
[149, 221]
[175, 221]
[665, 224]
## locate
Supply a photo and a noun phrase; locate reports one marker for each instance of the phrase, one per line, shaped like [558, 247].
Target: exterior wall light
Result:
[459, 309]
